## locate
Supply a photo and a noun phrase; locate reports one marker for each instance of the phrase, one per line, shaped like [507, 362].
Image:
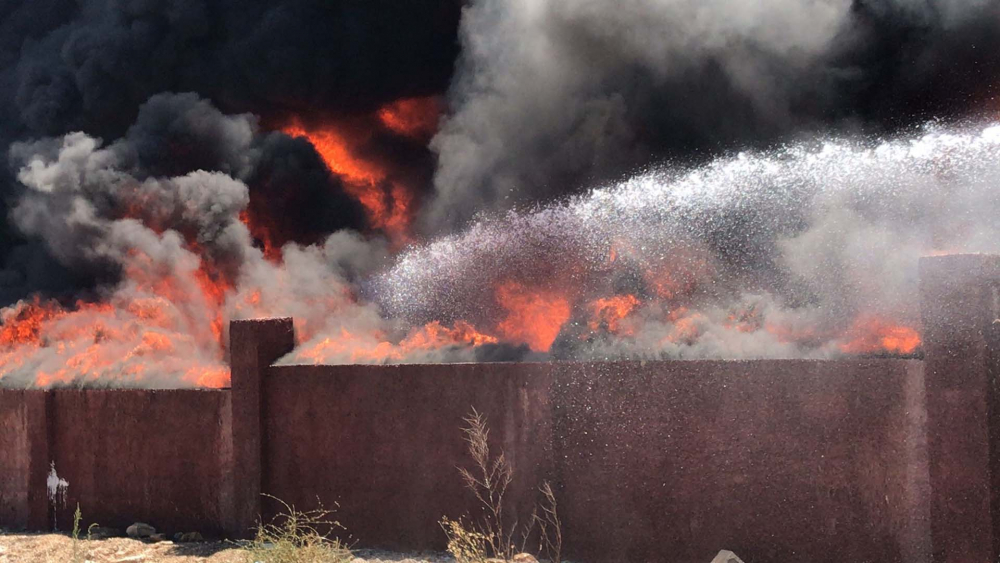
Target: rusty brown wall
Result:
[162, 457]
[385, 441]
[652, 461]
[23, 455]
[775, 460]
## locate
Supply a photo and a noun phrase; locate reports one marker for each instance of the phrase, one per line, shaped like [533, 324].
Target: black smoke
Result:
[98, 66]
[557, 97]
[544, 98]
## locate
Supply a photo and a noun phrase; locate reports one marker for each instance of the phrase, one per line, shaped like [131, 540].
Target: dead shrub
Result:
[492, 536]
[296, 536]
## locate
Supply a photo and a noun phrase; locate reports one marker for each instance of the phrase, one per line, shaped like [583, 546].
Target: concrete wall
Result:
[23, 459]
[386, 442]
[126, 455]
[960, 305]
[849, 460]
[775, 459]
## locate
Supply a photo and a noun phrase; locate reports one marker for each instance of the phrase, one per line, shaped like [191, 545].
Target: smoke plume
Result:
[499, 181]
[556, 97]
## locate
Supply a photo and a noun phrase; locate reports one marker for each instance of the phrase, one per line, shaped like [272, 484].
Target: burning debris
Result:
[816, 258]
[419, 225]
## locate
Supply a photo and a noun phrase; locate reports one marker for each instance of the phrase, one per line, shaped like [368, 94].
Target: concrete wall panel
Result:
[141, 455]
[385, 441]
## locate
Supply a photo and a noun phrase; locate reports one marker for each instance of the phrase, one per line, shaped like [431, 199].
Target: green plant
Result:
[296, 536]
[78, 556]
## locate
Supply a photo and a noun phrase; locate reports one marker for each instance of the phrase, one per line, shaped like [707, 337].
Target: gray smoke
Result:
[806, 251]
[554, 97]
[177, 261]
[804, 245]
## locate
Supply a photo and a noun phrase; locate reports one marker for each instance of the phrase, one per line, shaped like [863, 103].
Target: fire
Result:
[436, 335]
[746, 320]
[23, 324]
[215, 288]
[610, 311]
[686, 327]
[164, 319]
[412, 117]
[534, 318]
[388, 209]
[674, 280]
[261, 233]
[98, 340]
[374, 348]
[871, 334]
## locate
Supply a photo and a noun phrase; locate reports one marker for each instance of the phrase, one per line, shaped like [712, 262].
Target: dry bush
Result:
[549, 525]
[464, 544]
[491, 536]
[295, 537]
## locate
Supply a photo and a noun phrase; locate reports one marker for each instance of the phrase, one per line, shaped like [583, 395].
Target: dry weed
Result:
[295, 537]
[491, 536]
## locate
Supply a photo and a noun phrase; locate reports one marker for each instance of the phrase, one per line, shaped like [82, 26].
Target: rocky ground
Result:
[32, 548]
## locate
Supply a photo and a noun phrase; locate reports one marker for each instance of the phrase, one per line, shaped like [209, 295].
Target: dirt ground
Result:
[31, 548]
[58, 548]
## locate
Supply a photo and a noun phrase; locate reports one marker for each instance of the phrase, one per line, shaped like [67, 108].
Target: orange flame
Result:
[671, 281]
[686, 327]
[24, 323]
[533, 317]
[373, 348]
[263, 234]
[871, 334]
[610, 311]
[389, 210]
[412, 117]
[168, 318]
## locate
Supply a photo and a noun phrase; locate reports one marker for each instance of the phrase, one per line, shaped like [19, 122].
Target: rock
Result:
[524, 558]
[157, 537]
[102, 533]
[725, 556]
[140, 530]
[187, 537]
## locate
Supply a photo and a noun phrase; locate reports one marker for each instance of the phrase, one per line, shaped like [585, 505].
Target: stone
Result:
[524, 558]
[103, 532]
[726, 556]
[158, 537]
[188, 537]
[140, 530]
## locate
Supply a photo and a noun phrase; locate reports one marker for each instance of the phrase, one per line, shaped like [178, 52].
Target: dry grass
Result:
[59, 548]
[79, 550]
[492, 535]
[464, 544]
[298, 537]
[549, 525]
